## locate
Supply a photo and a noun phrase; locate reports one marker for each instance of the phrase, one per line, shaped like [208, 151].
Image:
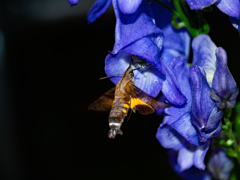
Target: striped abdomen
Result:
[116, 117]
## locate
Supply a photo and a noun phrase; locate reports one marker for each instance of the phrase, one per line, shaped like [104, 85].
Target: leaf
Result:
[230, 152]
[237, 120]
[206, 27]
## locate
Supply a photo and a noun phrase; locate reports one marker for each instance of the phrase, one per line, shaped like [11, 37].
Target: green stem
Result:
[229, 133]
[184, 18]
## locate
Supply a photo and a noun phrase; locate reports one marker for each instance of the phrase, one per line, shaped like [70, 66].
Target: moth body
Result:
[123, 97]
[121, 104]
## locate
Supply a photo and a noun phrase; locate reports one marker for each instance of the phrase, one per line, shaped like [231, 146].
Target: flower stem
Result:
[229, 133]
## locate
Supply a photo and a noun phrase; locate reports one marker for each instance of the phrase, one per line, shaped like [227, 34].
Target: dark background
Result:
[50, 62]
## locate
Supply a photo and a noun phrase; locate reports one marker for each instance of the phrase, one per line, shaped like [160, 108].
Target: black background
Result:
[50, 74]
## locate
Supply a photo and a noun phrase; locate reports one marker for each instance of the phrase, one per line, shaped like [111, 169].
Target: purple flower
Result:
[188, 155]
[219, 164]
[137, 37]
[206, 117]
[213, 60]
[128, 7]
[190, 127]
[229, 7]
[188, 174]
[199, 119]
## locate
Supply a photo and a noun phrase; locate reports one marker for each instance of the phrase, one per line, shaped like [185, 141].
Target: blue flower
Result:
[190, 127]
[188, 154]
[229, 7]
[213, 60]
[188, 174]
[138, 37]
[196, 121]
[219, 164]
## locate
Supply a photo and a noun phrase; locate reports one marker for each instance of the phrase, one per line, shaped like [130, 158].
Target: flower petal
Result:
[229, 7]
[171, 85]
[73, 2]
[205, 116]
[224, 88]
[199, 155]
[185, 127]
[197, 5]
[192, 155]
[128, 7]
[99, 7]
[149, 81]
[189, 174]
[185, 157]
[138, 30]
[220, 165]
[203, 55]
[169, 138]
[176, 41]
[180, 69]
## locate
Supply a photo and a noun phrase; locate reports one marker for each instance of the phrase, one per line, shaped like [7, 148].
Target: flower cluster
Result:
[198, 93]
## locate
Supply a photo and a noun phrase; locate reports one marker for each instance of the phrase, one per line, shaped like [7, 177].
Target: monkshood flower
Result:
[213, 60]
[229, 7]
[189, 174]
[219, 164]
[137, 37]
[101, 6]
[189, 128]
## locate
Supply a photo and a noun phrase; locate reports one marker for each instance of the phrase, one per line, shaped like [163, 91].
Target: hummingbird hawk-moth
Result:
[123, 97]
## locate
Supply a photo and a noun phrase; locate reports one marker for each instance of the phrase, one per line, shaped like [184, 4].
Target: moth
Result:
[123, 97]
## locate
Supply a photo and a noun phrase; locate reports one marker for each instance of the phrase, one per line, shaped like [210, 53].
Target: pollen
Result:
[126, 105]
[125, 111]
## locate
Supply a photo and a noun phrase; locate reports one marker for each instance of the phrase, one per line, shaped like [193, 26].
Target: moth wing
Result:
[145, 103]
[103, 103]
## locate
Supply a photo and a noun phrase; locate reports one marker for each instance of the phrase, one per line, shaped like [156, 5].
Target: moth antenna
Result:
[109, 76]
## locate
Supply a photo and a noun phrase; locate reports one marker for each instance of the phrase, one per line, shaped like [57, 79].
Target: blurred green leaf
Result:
[206, 27]
[237, 121]
[233, 176]
[229, 142]
[230, 152]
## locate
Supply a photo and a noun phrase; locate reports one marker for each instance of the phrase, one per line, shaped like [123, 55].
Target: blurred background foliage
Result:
[50, 62]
